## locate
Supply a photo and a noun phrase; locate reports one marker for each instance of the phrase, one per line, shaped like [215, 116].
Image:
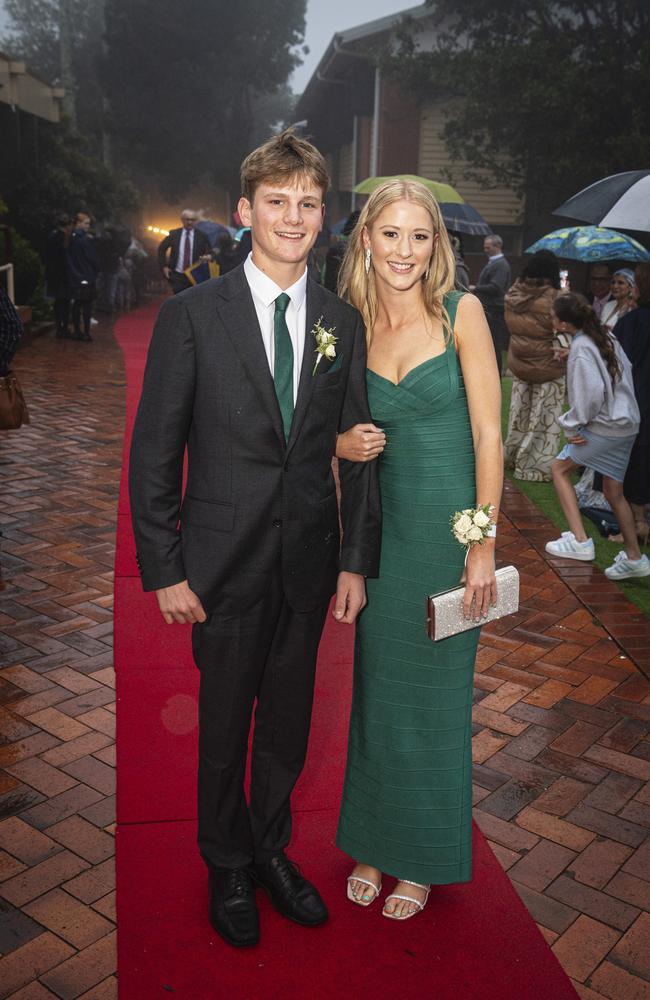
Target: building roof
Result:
[345, 44]
[25, 91]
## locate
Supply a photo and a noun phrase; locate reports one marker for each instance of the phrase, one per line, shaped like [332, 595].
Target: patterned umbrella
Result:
[622, 200]
[441, 192]
[591, 243]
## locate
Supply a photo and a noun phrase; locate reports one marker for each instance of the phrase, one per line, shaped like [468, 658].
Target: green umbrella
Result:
[440, 191]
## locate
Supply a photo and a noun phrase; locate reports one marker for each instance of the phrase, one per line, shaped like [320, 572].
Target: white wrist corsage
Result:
[473, 525]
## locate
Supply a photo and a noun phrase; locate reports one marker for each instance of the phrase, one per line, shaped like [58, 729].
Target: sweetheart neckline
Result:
[396, 385]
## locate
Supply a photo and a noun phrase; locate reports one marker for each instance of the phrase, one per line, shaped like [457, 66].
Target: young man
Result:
[235, 374]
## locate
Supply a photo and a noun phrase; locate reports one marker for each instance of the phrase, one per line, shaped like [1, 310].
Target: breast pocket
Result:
[328, 380]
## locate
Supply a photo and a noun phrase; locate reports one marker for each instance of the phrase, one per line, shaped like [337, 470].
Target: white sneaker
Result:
[623, 568]
[568, 548]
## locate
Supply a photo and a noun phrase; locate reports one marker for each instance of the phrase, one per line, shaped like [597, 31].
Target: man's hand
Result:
[180, 604]
[350, 597]
[167, 272]
[360, 443]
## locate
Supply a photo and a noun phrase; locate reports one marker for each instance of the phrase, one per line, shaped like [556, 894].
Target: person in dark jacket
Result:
[182, 248]
[83, 268]
[633, 334]
[493, 283]
[336, 252]
[227, 254]
[56, 273]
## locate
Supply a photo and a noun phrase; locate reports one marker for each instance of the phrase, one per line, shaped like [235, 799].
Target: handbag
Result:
[13, 408]
[445, 615]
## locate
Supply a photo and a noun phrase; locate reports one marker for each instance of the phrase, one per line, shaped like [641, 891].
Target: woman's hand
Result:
[360, 443]
[480, 581]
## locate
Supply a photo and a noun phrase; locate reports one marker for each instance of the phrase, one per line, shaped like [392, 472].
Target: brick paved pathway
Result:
[561, 744]
[57, 723]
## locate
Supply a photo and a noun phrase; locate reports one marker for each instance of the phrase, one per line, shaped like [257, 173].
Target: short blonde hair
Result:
[284, 157]
[358, 287]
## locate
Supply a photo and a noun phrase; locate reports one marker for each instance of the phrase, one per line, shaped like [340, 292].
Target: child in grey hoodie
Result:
[600, 427]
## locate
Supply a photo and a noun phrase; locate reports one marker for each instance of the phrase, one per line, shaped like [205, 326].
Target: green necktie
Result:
[283, 366]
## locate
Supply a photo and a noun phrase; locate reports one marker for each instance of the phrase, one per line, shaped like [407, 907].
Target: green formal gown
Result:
[407, 798]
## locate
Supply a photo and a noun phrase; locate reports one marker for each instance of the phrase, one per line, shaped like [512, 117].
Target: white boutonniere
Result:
[325, 342]
[473, 525]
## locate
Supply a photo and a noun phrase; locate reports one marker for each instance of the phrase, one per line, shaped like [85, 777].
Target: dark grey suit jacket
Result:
[253, 504]
[493, 283]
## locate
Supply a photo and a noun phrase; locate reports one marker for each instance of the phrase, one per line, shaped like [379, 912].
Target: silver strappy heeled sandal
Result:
[407, 899]
[355, 899]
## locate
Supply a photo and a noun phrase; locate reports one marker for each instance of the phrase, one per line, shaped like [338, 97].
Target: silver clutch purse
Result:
[445, 610]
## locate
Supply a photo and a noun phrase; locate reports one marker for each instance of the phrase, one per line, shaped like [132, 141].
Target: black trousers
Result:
[268, 654]
[61, 314]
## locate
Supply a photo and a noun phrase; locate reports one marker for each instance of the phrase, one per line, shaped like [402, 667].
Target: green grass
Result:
[544, 497]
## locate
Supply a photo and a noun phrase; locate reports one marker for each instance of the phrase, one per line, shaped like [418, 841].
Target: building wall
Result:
[499, 206]
[399, 135]
[18, 88]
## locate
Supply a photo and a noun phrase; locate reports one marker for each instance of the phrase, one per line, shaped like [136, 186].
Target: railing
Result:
[9, 268]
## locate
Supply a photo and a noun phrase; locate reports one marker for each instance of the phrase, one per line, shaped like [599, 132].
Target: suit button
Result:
[277, 522]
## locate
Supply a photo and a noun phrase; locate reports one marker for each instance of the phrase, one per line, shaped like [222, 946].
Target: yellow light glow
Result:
[157, 229]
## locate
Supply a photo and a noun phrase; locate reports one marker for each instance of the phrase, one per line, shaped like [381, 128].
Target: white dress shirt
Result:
[265, 291]
[186, 235]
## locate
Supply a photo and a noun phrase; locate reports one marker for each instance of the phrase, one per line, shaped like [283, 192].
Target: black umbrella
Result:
[464, 219]
[621, 201]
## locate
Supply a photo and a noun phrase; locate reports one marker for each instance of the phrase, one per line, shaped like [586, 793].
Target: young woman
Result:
[600, 427]
[622, 300]
[434, 393]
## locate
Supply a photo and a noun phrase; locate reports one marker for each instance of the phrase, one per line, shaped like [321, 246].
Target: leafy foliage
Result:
[543, 96]
[28, 269]
[66, 178]
[182, 76]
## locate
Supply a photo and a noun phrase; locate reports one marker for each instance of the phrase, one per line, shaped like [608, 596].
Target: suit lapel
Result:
[237, 313]
[314, 311]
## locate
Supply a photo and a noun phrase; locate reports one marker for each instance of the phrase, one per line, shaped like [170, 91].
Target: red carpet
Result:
[474, 942]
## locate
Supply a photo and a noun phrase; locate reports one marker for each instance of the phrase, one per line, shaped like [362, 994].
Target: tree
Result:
[65, 178]
[182, 76]
[35, 35]
[543, 96]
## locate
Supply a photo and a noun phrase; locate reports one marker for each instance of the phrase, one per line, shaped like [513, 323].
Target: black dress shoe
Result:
[291, 894]
[233, 910]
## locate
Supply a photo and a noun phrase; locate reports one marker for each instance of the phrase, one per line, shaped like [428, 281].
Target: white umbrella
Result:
[621, 201]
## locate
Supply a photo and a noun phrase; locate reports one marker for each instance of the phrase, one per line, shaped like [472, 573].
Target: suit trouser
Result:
[269, 654]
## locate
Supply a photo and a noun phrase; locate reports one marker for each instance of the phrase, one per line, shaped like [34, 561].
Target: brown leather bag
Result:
[13, 408]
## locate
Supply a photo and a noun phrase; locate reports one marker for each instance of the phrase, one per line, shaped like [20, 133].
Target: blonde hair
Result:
[282, 159]
[358, 287]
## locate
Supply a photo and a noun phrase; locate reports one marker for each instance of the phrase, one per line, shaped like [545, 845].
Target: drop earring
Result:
[367, 260]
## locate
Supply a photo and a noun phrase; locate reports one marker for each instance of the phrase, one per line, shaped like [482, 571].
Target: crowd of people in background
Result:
[595, 358]
[83, 267]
